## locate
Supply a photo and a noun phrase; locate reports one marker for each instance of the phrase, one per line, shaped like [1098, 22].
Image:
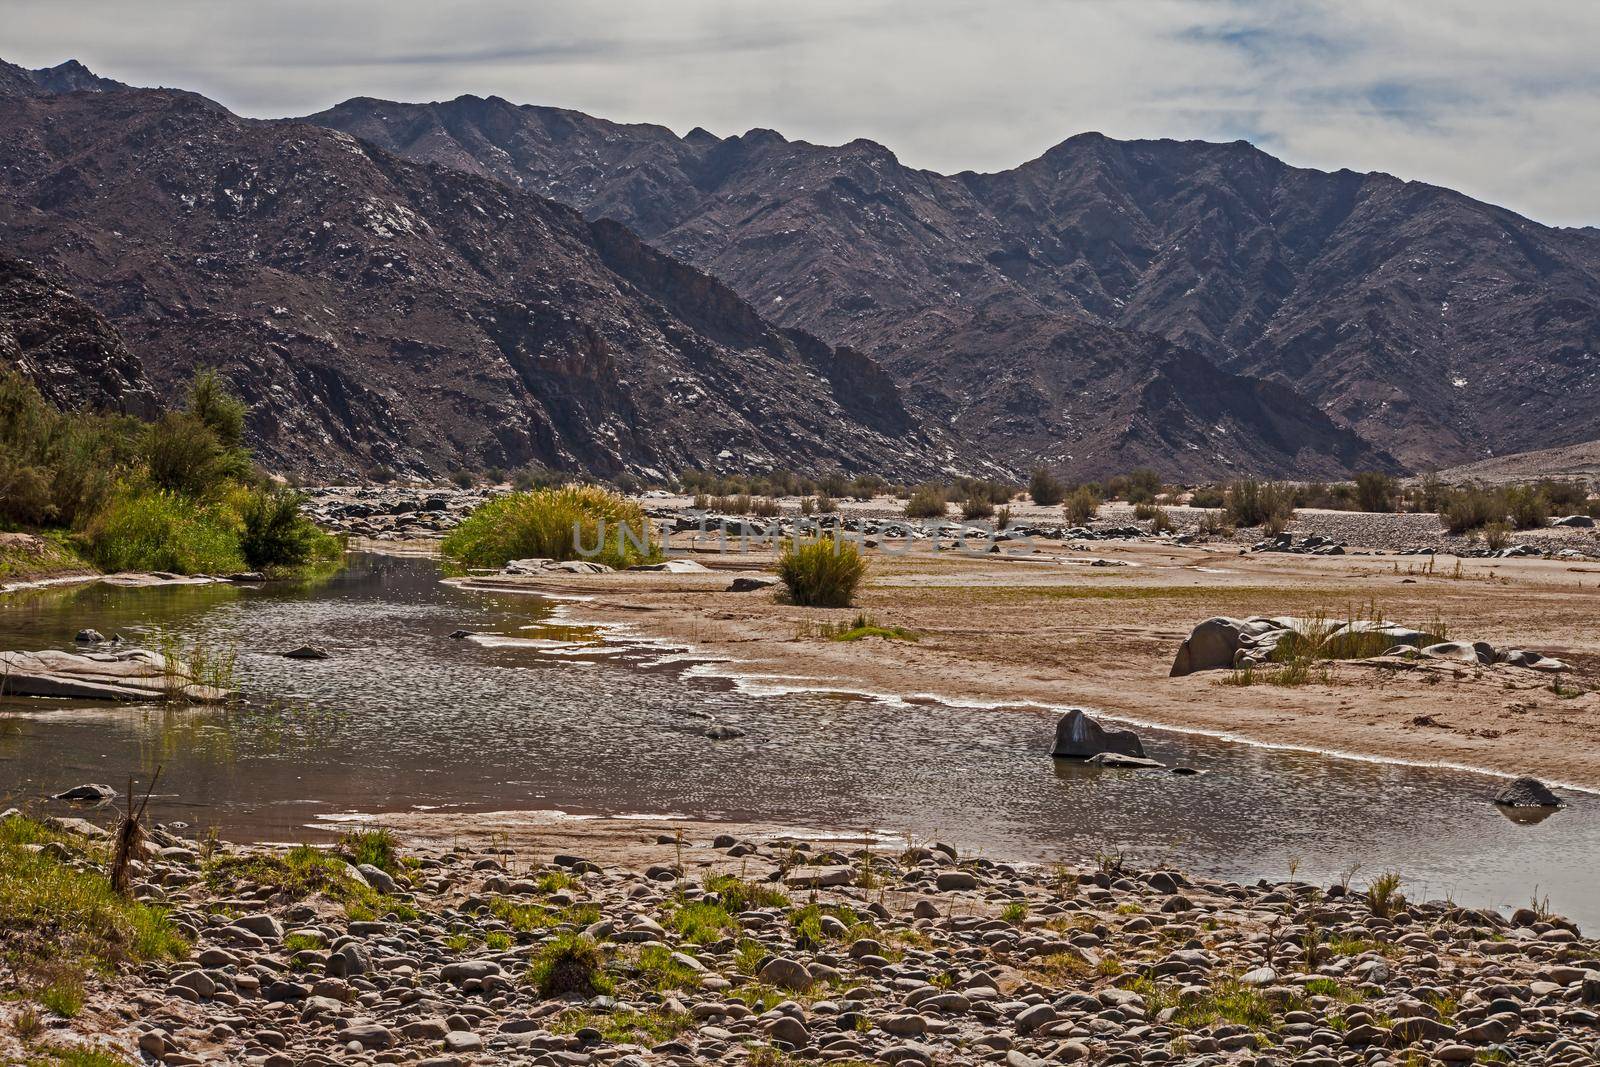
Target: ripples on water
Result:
[403, 716]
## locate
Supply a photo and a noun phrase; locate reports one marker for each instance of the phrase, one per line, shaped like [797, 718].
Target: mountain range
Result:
[473, 282]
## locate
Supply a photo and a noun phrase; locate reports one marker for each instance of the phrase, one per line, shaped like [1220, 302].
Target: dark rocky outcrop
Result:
[379, 312]
[66, 348]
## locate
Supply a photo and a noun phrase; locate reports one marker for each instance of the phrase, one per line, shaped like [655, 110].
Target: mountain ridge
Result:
[377, 312]
[1270, 270]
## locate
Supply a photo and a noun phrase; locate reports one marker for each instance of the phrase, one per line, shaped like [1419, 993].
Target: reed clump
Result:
[562, 523]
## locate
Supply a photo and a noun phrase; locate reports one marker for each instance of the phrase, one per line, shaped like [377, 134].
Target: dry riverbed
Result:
[528, 941]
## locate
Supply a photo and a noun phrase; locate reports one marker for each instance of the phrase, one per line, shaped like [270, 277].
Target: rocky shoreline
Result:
[766, 950]
[398, 514]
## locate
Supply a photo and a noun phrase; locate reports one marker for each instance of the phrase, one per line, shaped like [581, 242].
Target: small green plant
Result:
[1383, 895]
[926, 502]
[821, 573]
[701, 922]
[497, 941]
[862, 626]
[570, 965]
[377, 846]
[1082, 506]
[738, 894]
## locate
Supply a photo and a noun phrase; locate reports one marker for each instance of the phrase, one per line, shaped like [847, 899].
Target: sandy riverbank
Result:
[1052, 628]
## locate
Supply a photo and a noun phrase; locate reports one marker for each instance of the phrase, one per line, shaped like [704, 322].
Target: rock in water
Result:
[1079, 737]
[90, 637]
[91, 792]
[130, 674]
[1527, 792]
[1117, 759]
[306, 652]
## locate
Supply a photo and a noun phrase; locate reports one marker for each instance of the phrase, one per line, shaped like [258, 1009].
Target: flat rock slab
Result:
[138, 580]
[128, 674]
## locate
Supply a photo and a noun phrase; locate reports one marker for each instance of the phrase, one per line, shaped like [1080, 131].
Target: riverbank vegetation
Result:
[62, 920]
[559, 523]
[177, 494]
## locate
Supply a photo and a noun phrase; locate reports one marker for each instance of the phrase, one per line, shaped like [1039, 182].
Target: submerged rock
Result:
[91, 792]
[1080, 737]
[1527, 792]
[1117, 759]
[306, 652]
[90, 637]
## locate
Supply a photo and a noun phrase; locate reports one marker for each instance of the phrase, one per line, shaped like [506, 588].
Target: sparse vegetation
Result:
[926, 502]
[1082, 506]
[62, 922]
[1255, 503]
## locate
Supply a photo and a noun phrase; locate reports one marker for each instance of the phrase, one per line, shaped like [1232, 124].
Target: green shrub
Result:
[553, 524]
[1566, 495]
[822, 573]
[1208, 496]
[1045, 488]
[183, 454]
[275, 534]
[1375, 491]
[926, 502]
[1082, 506]
[1496, 535]
[1143, 484]
[1471, 508]
[570, 965]
[155, 530]
[977, 507]
[1527, 506]
[1255, 503]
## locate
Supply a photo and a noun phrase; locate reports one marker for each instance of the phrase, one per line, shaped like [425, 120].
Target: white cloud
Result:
[1495, 99]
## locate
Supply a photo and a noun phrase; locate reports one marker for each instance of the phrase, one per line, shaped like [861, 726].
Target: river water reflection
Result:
[405, 717]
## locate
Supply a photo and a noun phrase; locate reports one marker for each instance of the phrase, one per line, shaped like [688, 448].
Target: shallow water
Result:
[405, 717]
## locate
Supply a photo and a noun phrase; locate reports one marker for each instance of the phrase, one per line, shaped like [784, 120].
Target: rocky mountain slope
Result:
[76, 358]
[376, 311]
[1437, 326]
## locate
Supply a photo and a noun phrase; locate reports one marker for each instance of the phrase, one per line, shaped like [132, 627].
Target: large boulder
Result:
[1527, 792]
[1080, 737]
[1215, 644]
[1209, 646]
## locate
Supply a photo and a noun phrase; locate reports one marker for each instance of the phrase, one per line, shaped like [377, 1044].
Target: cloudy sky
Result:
[1500, 100]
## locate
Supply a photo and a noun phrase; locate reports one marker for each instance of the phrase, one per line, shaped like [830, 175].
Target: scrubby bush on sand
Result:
[822, 573]
[926, 502]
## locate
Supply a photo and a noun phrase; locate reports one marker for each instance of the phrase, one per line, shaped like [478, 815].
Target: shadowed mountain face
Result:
[375, 311]
[75, 357]
[1439, 327]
